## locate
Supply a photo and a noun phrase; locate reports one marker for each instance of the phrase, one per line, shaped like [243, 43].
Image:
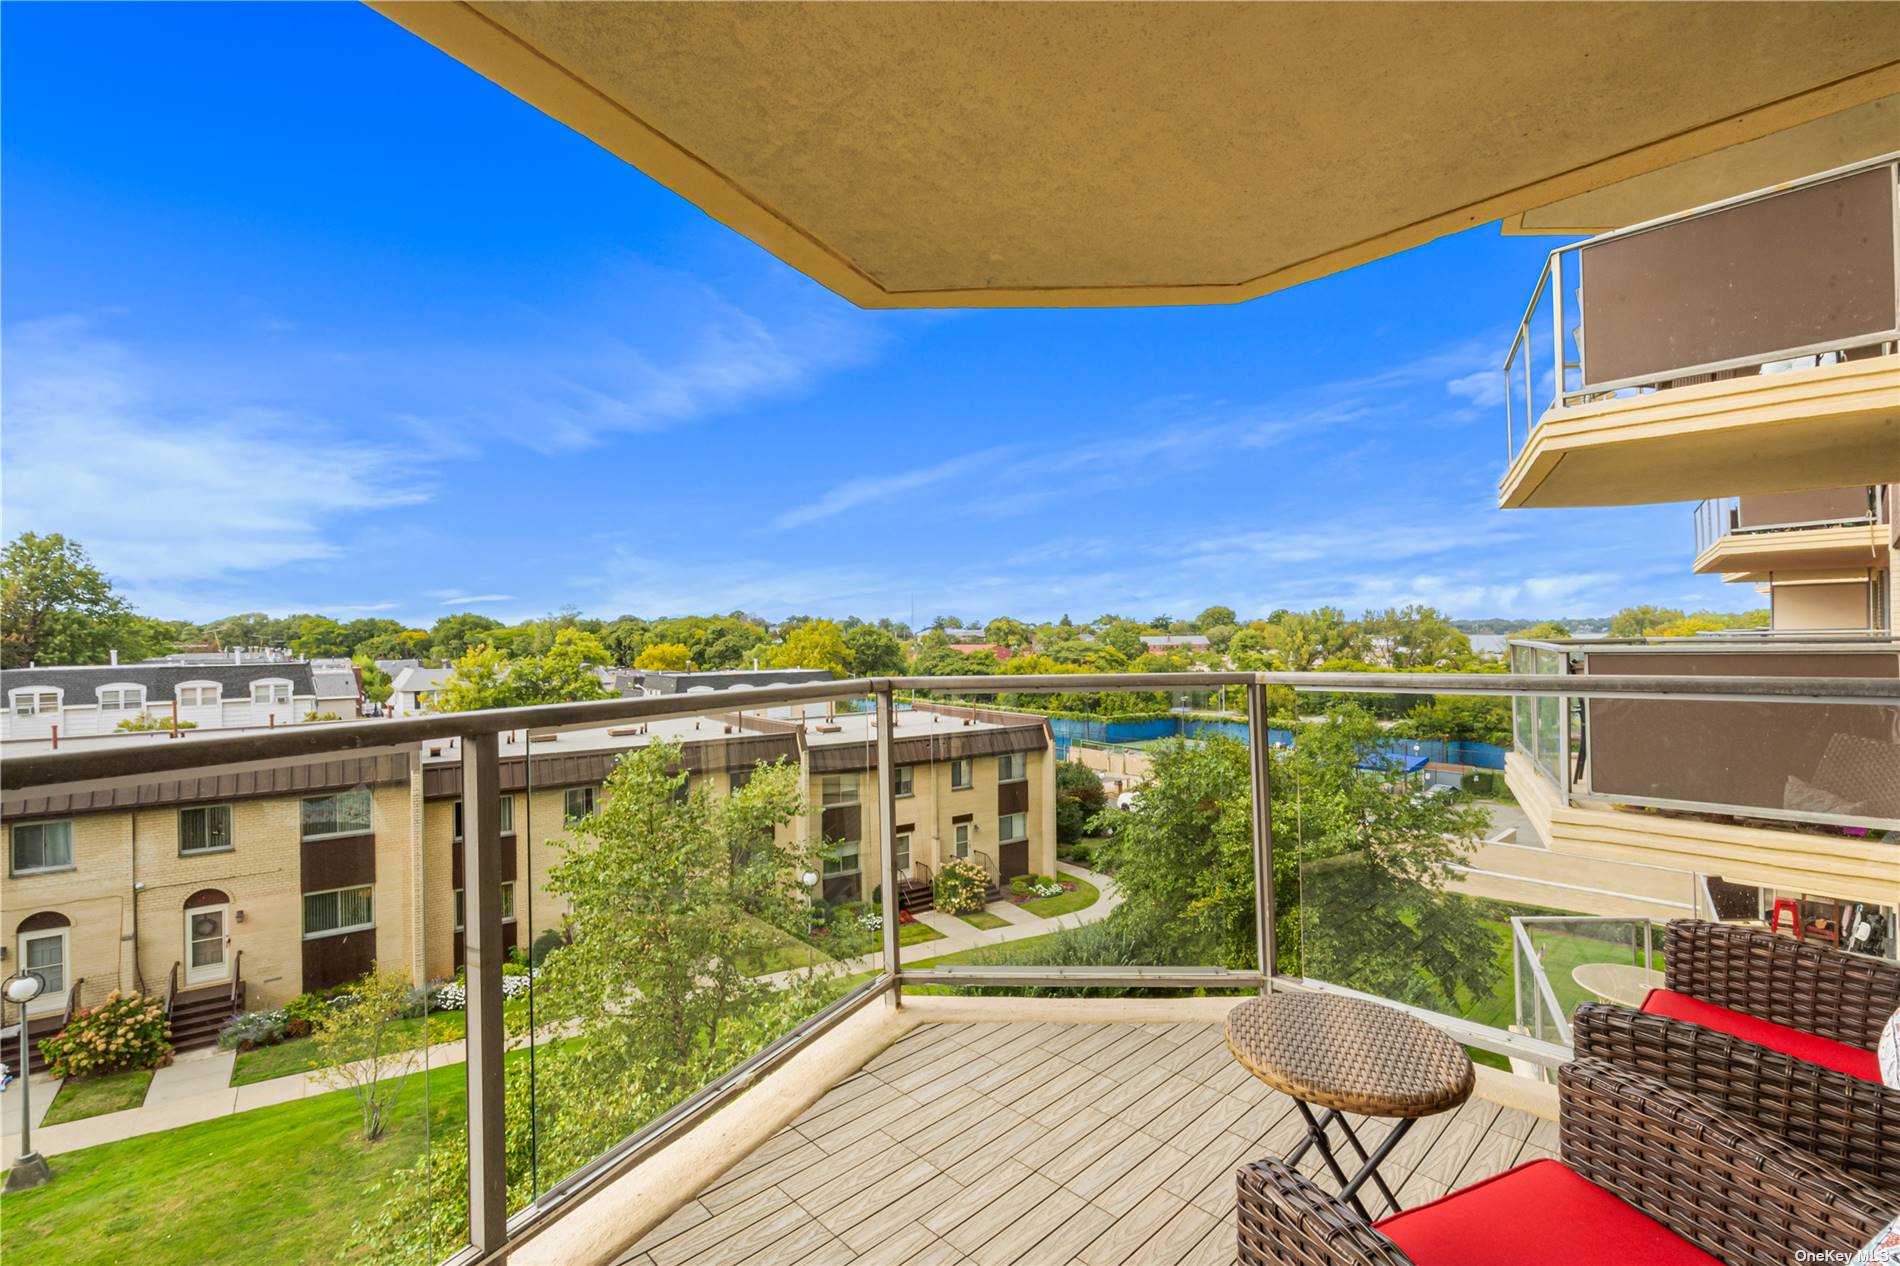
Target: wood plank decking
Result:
[1042, 1144]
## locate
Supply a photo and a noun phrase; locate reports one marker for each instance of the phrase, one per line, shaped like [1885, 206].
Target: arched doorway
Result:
[207, 936]
[44, 944]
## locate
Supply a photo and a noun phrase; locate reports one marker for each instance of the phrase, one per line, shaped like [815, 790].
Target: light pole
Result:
[29, 1167]
[810, 880]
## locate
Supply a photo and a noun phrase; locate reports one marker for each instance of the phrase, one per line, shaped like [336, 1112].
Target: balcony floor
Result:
[1102, 1144]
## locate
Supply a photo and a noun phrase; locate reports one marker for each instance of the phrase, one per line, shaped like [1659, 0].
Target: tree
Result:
[1417, 636]
[253, 628]
[1636, 621]
[666, 657]
[376, 684]
[452, 635]
[624, 639]
[1213, 616]
[319, 635]
[487, 678]
[1124, 637]
[476, 681]
[1466, 718]
[55, 606]
[363, 1052]
[728, 644]
[814, 644]
[874, 652]
[1007, 632]
[1543, 631]
[1309, 637]
[1079, 797]
[942, 661]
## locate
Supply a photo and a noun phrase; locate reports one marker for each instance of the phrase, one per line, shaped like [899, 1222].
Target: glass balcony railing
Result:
[571, 934]
[1800, 274]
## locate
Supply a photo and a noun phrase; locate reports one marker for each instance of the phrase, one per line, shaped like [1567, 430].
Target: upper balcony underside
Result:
[1820, 427]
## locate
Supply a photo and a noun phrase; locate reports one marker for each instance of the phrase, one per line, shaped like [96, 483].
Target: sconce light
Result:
[238, 917]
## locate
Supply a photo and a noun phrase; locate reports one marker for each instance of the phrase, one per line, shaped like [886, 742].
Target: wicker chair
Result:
[1819, 990]
[1717, 1182]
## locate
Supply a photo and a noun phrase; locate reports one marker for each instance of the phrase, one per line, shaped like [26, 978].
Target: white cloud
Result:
[854, 494]
[1483, 387]
[167, 481]
[474, 599]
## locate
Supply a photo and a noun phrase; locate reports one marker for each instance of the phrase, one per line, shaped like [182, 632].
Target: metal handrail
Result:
[988, 864]
[1717, 518]
[72, 1002]
[171, 990]
[237, 980]
[101, 769]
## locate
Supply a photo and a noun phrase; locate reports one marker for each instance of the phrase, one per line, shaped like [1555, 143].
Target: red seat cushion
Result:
[1824, 1051]
[1539, 1214]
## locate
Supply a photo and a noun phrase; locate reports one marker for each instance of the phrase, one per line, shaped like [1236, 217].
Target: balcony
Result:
[1796, 796]
[900, 1103]
[1745, 347]
[1751, 538]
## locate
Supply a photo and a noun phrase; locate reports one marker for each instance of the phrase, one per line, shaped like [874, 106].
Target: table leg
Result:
[1316, 1133]
[1372, 1163]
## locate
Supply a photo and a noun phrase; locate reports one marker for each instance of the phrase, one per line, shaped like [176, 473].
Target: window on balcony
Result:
[337, 911]
[1012, 767]
[41, 846]
[347, 813]
[962, 775]
[205, 829]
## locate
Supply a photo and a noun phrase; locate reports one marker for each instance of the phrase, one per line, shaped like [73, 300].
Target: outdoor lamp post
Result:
[810, 880]
[29, 1167]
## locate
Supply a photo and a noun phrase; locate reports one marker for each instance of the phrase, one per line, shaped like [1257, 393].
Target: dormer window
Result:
[27, 703]
[269, 692]
[200, 694]
[121, 698]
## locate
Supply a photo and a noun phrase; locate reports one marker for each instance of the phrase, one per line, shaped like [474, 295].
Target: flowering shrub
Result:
[961, 886]
[254, 1029]
[127, 1030]
[451, 996]
[871, 921]
[1049, 888]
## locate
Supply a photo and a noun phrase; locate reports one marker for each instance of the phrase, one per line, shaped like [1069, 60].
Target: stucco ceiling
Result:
[927, 155]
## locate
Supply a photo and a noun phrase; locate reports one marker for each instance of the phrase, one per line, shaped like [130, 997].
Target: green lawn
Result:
[1563, 952]
[300, 1055]
[1084, 896]
[787, 953]
[917, 934]
[93, 1096]
[275, 1185]
[984, 919]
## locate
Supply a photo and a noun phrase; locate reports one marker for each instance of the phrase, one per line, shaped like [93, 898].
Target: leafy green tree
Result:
[1359, 867]
[476, 681]
[1544, 630]
[1466, 718]
[814, 644]
[1124, 637]
[56, 607]
[1306, 638]
[319, 636]
[485, 677]
[624, 639]
[1220, 636]
[942, 661]
[1213, 616]
[874, 652]
[402, 644]
[452, 635]
[364, 1051]
[1417, 636]
[1079, 797]
[1007, 632]
[665, 657]
[377, 686]
[253, 628]
[729, 644]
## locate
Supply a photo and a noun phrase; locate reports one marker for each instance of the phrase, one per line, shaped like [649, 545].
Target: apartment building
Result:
[224, 691]
[1746, 353]
[301, 875]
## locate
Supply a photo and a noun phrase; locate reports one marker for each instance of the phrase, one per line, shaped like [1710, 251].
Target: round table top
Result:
[1623, 983]
[1349, 1054]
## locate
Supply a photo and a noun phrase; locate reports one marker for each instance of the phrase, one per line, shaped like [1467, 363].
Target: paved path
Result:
[196, 1086]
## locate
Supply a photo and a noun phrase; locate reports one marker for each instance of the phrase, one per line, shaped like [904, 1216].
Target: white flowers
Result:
[1047, 890]
[871, 921]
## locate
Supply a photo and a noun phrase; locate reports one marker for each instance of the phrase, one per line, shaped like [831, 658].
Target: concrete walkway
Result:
[196, 1087]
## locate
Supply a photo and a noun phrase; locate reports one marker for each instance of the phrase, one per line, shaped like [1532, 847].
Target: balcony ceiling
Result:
[921, 155]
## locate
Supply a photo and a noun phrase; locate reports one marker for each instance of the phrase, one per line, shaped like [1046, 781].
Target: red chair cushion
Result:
[1539, 1214]
[1824, 1051]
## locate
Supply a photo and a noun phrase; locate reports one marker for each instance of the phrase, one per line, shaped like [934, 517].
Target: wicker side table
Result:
[1347, 1055]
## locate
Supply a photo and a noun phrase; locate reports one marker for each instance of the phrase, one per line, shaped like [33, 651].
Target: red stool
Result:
[1794, 915]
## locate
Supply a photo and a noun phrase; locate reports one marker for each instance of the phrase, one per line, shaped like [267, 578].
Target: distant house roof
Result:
[411, 680]
[1159, 640]
[670, 683]
[336, 683]
[964, 635]
[391, 667]
[80, 682]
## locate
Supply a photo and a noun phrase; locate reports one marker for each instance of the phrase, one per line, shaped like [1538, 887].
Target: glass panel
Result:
[47, 956]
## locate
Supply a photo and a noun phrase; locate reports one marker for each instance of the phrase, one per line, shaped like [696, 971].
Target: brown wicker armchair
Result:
[1718, 1183]
[1807, 986]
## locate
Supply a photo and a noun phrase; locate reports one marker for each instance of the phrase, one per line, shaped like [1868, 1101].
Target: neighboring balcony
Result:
[1745, 347]
[1750, 537]
[1799, 796]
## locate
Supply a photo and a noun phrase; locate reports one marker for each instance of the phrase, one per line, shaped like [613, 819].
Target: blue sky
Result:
[299, 314]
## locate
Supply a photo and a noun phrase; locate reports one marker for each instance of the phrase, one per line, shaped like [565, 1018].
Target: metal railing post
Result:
[483, 953]
[887, 835]
[1260, 756]
[1557, 325]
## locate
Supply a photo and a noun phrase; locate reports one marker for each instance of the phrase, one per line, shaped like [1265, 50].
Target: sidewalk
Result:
[195, 1087]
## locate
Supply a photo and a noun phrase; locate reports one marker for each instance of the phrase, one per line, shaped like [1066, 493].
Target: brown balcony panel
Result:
[1796, 509]
[1785, 759]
